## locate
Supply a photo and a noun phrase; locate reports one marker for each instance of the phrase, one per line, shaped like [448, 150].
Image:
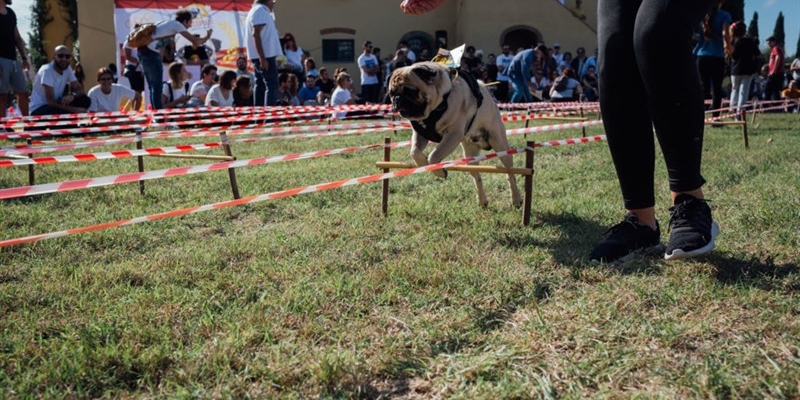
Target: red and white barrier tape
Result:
[109, 155]
[260, 198]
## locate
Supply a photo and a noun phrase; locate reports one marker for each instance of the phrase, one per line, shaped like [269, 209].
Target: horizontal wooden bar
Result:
[491, 169]
[14, 156]
[195, 156]
[726, 123]
[566, 118]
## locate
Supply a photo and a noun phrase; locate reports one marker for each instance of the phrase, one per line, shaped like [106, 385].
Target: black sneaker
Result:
[691, 229]
[624, 239]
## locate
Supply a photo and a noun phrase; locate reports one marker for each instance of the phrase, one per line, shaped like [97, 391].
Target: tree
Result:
[40, 17]
[70, 7]
[752, 30]
[780, 35]
[797, 51]
[735, 8]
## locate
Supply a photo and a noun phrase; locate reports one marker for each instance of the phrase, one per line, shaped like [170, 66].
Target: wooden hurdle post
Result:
[526, 207]
[226, 146]
[743, 117]
[583, 128]
[387, 156]
[31, 174]
[140, 159]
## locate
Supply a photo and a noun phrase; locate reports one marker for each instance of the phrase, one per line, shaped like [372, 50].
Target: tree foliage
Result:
[70, 8]
[752, 29]
[780, 35]
[40, 17]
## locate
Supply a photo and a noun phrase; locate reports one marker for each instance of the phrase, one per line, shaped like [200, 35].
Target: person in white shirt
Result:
[221, 94]
[294, 55]
[342, 94]
[109, 96]
[200, 89]
[50, 84]
[263, 48]
[133, 70]
[502, 62]
[163, 37]
[176, 90]
[368, 63]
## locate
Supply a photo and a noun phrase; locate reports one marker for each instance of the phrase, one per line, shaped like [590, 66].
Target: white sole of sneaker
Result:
[679, 254]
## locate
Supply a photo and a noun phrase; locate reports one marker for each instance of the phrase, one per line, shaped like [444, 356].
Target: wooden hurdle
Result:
[742, 122]
[387, 164]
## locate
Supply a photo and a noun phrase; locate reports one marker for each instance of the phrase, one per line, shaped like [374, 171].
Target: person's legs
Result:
[271, 77]
[661, 40]
[260, 85]
[717, 72]
[153, 71]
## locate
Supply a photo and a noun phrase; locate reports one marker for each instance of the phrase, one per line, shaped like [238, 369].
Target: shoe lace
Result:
[681, 215]
[623, 229]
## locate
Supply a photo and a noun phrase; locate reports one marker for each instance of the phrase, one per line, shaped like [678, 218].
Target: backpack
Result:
[561, 83]
[141, 35]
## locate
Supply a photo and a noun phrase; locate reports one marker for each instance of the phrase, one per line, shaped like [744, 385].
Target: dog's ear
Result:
[426, 73]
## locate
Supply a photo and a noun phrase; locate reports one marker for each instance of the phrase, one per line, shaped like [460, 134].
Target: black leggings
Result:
[648, 79]
[712, 70]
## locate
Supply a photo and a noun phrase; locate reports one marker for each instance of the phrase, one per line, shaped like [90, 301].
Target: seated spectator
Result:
[309, 94]
[342, 94]
[51, 83]
[469, 62]
[294, 55]
[794, 68]
[325, 85]
[199, 90]
[759, 85]
[566, 60]
[310, 67]
[243, 92]
[285, 97]
[572, 88]
[792, 96]
[294, 87]
[109, 96]
[241, 68]
[113, 68]
[491, 66]
[490, 84]
[590, 85]
[195, 55]
[221, 94]
[540, 85]
[175, 93]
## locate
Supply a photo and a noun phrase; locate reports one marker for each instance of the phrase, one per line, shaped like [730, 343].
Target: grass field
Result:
[320, 296]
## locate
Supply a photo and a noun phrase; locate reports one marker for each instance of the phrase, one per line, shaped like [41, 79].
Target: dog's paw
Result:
[441, 173]
[517, 203]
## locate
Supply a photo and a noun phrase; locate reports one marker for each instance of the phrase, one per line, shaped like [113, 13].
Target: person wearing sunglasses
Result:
[109, 96]
[56, 89]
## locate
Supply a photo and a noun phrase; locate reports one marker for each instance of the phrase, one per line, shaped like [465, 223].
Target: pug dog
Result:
[450, 107]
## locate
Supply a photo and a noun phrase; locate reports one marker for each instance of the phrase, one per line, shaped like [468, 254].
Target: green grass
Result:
[320, 296]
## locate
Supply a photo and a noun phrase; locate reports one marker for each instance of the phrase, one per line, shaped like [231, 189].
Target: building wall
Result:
[479, 23]
[57, 31]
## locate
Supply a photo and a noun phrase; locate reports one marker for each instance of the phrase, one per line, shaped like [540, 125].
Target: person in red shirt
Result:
[776, 70]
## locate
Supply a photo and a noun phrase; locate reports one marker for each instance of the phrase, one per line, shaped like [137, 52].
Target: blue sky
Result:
[767, 14]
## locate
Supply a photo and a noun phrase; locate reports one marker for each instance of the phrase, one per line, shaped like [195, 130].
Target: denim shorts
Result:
[11, 77]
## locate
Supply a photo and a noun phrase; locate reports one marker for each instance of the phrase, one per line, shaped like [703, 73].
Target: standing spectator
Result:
[519, 72]
[578, 63]
[221, 94]
[164, 37]
[133, 71]
[557, 53]
[175, 92]
[294, 55]
[109, 96]
[309, 93]
[200, 89]
[326, 86]
[400, 60]
[710, 51]
[503, 61]
[263, 47]
[11, 75]
[51, 83]
[80, 75]
[368, 63]
[243, 93]
[241, 68]
[469, 62]
[491, 66]
[776, 68]
[113, 68]
[744, 64]
[646, 81]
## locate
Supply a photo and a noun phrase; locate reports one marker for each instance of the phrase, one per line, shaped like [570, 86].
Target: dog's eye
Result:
[410, 91]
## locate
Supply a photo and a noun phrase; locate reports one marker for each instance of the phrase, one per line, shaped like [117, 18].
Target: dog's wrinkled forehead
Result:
[427, 74]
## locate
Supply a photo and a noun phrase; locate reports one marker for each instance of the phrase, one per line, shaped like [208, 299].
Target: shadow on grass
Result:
[762, 274]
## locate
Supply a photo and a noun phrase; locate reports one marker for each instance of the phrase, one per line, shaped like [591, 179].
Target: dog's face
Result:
[417, 90]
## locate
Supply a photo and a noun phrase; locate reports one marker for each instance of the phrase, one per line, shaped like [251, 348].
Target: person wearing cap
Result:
[557, 53]
[776, 70]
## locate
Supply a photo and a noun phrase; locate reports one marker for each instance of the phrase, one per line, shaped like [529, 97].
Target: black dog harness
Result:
[427, 127]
